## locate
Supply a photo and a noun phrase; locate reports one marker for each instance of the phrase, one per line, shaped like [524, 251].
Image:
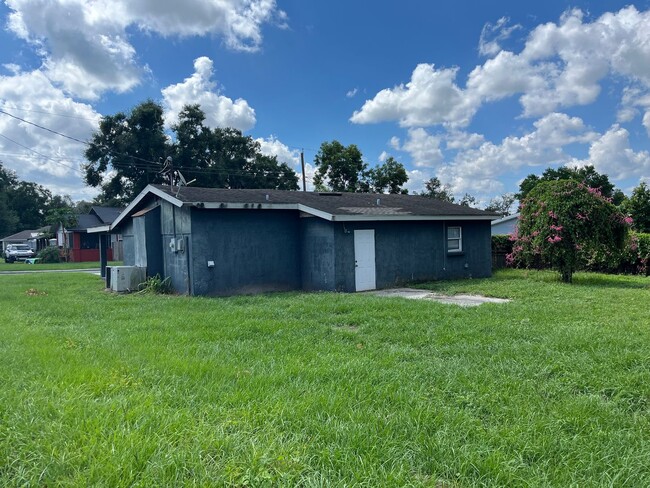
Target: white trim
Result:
[101, 228]
[287, 206]
[369, 218]
[148, 189]
[459, 239]
[328, 216]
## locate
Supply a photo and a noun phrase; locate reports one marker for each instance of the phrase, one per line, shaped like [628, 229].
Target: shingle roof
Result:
[329, 206]
[338, 204]
[23, 235]
[84, 222]
[106, 214]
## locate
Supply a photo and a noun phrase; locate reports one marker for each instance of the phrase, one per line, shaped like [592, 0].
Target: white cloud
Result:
[352, 93]
[42, 156]
[479, 169]
[612, 155]
[220, 111]
[85, 45]
[493, 34]
[561, 65]
[423, 147]
[271, 146]
[431, 97]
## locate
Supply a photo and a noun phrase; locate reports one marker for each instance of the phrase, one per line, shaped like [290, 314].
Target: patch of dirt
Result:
[33, 292]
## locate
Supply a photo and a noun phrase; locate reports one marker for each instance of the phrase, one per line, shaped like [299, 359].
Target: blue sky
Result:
[479, 94]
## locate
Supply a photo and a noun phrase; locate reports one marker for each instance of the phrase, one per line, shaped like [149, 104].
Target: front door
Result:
[364, 260]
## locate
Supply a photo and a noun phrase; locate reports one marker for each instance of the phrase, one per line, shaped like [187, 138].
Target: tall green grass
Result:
[326, 389]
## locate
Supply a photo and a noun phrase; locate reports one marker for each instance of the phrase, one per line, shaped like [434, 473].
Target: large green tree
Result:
[638, 207]
[339, 167]
[564, 225]
[502, 204]
[224, 157]
[586, 174]
[125, 154]
[435, 189]
[388, 177]
[8, 216]
[132, 147]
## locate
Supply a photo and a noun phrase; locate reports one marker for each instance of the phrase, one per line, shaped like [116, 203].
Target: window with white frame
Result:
[454, 239]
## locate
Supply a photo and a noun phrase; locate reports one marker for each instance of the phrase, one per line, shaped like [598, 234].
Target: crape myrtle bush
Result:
[565, 225]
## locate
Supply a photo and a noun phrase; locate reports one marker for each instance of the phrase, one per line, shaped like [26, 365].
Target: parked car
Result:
[18, 252]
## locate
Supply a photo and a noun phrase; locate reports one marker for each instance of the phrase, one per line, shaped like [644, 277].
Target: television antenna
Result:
[174, 175]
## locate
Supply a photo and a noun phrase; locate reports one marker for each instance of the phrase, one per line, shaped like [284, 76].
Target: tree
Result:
[587, 175]
[563, 224]
[131, 145]
[134, 146]
[435, 189]
[29, 201]
[387, 177]
[8, 216]
[339, 167]
[638, 207]
[502, 204]
[468, 201]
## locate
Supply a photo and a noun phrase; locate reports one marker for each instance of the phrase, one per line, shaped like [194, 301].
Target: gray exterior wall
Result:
[253, 251]
[276, 250]
[176, 224]
[317, 254]
[128, 244]
[414, 251]
[148, 244]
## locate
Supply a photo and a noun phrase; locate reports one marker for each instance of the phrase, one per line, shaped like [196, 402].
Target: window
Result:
[454, 239]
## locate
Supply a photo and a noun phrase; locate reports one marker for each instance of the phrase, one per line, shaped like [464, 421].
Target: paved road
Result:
[32, 271]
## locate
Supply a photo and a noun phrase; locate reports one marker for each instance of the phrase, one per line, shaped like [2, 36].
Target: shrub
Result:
[566, 226]
[501, 243]
[156, 285]
[49, 254]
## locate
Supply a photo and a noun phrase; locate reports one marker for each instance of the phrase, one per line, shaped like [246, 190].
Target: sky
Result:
[479, 94]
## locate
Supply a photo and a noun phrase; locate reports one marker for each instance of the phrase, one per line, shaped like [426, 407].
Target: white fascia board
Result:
[379, 218]
[263, 206]
[330, 217]
[101, 228]
[147, 190]
[243, 206]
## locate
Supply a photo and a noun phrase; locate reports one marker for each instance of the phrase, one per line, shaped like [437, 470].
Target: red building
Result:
[77, 244]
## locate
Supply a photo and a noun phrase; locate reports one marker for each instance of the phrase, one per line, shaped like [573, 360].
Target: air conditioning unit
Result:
[127, 278]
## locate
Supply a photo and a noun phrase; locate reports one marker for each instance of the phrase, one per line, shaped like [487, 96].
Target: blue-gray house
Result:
[224, 242]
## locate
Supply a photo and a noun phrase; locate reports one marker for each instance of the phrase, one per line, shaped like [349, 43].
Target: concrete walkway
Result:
[460, 300]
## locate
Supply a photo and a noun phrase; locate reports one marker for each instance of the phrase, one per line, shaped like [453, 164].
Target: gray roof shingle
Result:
[332, 203]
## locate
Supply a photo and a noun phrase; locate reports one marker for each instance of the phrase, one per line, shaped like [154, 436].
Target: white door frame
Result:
[365, 273]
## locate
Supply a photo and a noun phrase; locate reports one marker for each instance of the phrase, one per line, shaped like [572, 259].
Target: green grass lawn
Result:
[326, 389]
[22, 266]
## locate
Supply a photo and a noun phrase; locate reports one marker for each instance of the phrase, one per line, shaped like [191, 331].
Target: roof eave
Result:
[149, 189]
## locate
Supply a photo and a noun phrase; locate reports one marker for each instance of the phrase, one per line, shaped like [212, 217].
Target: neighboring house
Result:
[505, 226]
[36, 239]
[225, 242]
[78, 245]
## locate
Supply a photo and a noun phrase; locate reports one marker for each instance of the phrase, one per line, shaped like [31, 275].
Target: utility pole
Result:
[302, 164]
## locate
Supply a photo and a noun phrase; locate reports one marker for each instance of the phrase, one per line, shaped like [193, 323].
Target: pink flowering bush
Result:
[565, 225]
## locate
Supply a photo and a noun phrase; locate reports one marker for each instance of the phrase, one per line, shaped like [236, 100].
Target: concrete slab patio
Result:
[460, 300]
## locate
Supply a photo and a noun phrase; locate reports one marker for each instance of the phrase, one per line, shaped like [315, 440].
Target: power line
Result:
[135, 165]
[44, 128]
[52, 113]
[41, 155]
